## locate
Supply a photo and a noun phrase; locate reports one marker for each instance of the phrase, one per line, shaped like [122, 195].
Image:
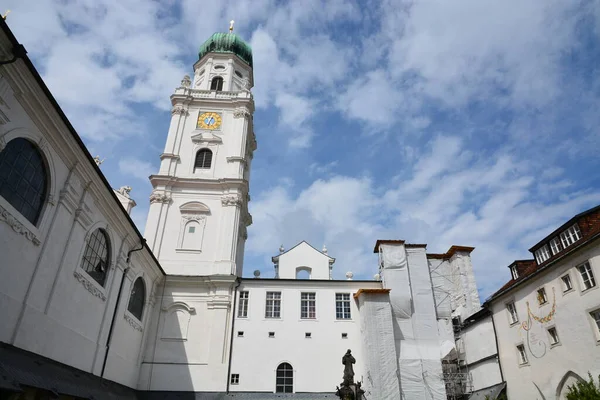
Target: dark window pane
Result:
[95, 257]
[23, 178]
[137, 298]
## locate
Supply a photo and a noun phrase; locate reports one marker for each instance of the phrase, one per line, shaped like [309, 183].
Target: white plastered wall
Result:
[304, 257]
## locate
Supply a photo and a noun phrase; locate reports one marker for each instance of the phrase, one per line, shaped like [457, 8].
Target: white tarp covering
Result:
[395, 275]
[377, 331]
[416, 328]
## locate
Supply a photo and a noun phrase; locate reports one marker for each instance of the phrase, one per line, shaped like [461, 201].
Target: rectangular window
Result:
[512, 313]
[342, 306]
[308, 306]
[542, 254]
[596, 317]
[344, 336]
[240, 333]
[235, 379]
[522, 354]
[587, 276]
[192, 229]
[553, 336]
[514, 272]
[541, 296]
[271, 334]
[566, 283]
[243, 307]
[555, 245]
[273, 306]
[307, 335]
[570, 236]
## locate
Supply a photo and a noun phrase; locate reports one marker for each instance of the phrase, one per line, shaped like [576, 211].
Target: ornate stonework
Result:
[190, 217]
[231, 200]
[134, 323]
[159, 198]
[17, 226]
[89, 285]
[241, 113]
[179, 110]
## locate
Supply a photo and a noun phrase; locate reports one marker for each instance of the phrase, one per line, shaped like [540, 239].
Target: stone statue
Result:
[348, 360]
[186, 81]
[124, 190]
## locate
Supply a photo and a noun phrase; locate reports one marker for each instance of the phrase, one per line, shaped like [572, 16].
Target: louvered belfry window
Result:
[203, 159]
[217, 84]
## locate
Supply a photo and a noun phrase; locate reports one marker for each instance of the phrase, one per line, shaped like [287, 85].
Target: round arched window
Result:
[23, 178]
[96, 257]
[137, 299]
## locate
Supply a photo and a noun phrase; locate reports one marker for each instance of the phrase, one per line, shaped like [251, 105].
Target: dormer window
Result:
[555, 245]
[216, 84]
[514, 272]
[570, 236]
[542, 254]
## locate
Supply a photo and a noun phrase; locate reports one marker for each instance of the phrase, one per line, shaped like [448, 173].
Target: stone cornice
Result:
[221, 183]
[18, 226]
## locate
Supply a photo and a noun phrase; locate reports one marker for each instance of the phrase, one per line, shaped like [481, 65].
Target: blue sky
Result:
[467, 122]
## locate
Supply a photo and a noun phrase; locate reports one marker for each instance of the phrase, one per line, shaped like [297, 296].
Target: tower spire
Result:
[231, 26]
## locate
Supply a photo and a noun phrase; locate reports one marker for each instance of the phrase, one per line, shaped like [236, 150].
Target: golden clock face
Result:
[209, 120]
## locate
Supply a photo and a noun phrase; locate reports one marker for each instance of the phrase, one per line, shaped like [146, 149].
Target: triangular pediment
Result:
[203, 136]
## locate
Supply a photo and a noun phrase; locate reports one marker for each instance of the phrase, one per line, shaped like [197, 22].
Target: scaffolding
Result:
[456, 376]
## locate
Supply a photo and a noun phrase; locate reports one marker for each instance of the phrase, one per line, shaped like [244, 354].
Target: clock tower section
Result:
[199, 204]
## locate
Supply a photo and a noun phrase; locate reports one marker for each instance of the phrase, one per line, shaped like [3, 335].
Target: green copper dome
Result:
[227, 43]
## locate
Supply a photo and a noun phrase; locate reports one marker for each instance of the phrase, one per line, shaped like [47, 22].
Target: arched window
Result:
[203, 159]
[285, 379]
[23, 178]
[216, 84]
[97, 256]
[137, 298]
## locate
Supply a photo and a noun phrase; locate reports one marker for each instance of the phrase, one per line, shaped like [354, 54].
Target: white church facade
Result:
[92, 308]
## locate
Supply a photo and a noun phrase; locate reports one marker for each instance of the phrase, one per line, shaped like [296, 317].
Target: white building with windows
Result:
[93, 309]
[547, 317]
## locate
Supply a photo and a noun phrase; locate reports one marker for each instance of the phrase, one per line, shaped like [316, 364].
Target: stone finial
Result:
[186, 82]
[281, 249]
[98, 161]
[324, 249]
[349, 275]
[377, 277]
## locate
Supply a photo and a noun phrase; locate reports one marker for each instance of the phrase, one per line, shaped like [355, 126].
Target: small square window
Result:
[553, 336]
[566, 283]
[522, 354]
[240, 333]
[541, 296]
[344, 336]
[192, 229]
[271, 334]
[235, 379]
[308, 335]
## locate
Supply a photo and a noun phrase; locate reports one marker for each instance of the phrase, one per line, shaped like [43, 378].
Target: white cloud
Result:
[136, 168]
[489, 203]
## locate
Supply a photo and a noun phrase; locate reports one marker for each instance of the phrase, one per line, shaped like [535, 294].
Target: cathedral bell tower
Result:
[199, 204]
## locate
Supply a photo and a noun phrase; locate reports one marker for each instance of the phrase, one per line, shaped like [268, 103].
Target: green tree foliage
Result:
[585, 390]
